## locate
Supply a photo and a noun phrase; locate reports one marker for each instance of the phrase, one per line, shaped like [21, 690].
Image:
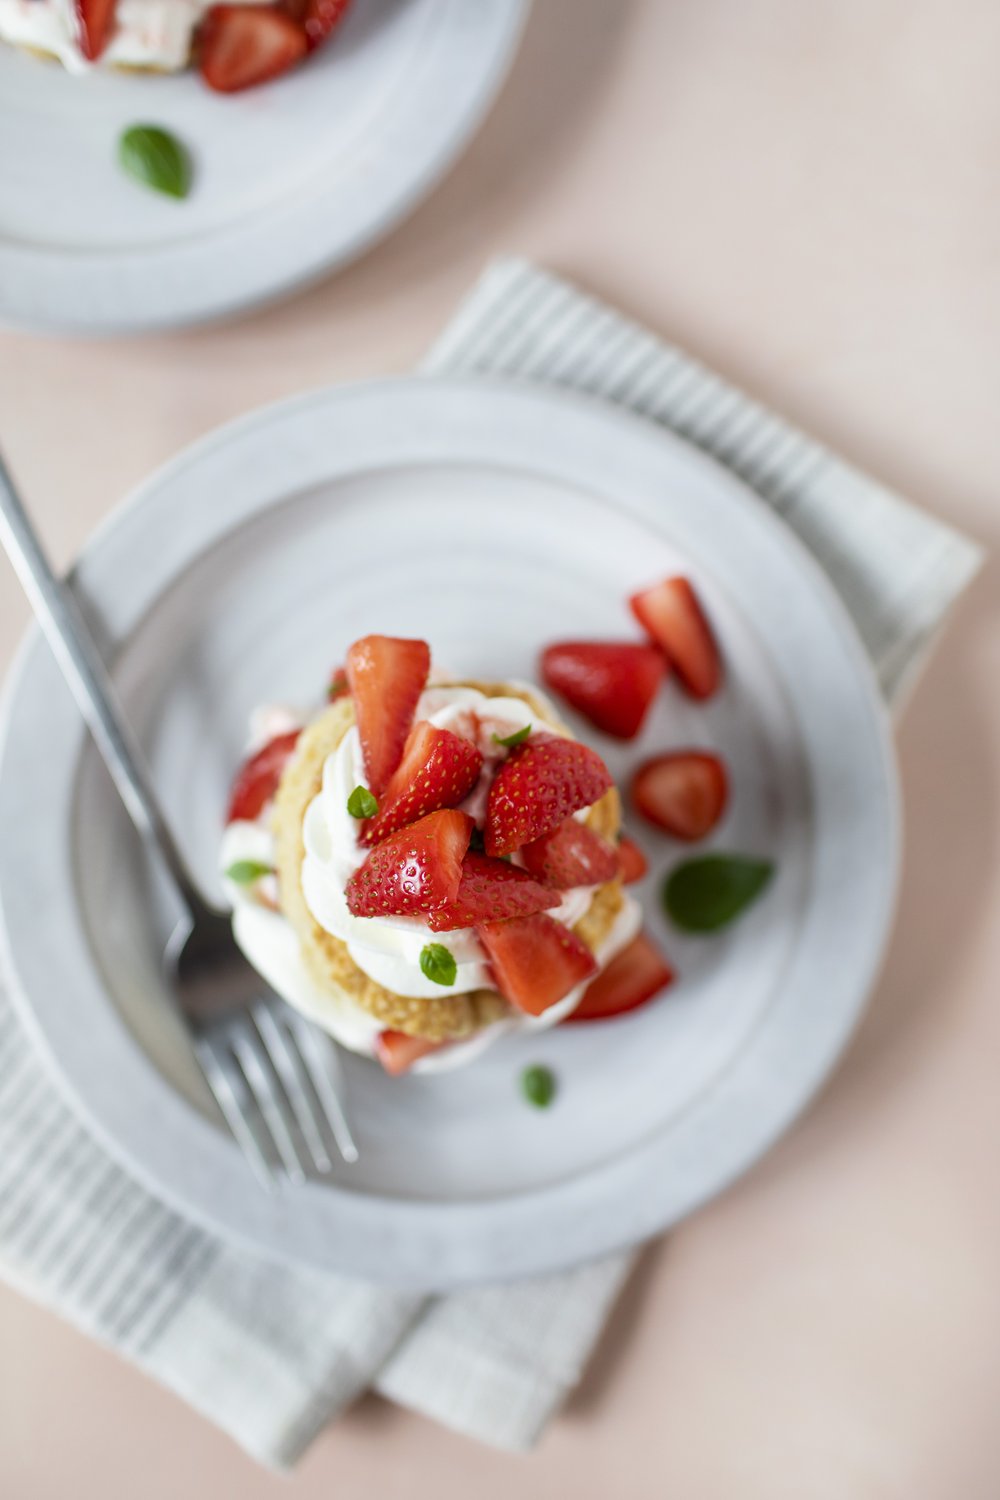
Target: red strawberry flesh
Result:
[684, 792]
[672, 615]
[636, 975]
[538, 786]
[414, 870]
[397, 1052]
[438, 769]
[536, 960]
[386, 677]
[243, 45]
[491, 890]
[257, 779]
[633, 863]
[94, 19]
[571, 855]
[611, 683]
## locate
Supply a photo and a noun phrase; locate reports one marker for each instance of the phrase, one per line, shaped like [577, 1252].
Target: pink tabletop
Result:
[807, 197]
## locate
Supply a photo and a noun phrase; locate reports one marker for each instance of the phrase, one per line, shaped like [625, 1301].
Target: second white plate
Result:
[490, 519]
[291, 179]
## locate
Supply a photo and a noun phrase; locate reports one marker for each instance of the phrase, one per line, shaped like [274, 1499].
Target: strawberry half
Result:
[570, 855]
[536, 960]
[94, 19]
[414, 870]
[241, 45]
[670, 612]
[386, 677]
[538, 786]
[257, 779]
[684, 792]
[316, 17]
[490, 891]
[611, 683]
[633, 977]
[397, 1052]
[438, 769]
[633, 864]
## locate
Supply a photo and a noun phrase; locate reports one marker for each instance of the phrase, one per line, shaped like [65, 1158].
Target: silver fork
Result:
[275, 1076]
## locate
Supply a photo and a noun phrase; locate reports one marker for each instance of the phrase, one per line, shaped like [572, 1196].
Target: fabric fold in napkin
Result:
[269, 1354]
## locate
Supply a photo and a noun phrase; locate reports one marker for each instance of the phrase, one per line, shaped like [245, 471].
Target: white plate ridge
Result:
[491, 518]
[291, 179]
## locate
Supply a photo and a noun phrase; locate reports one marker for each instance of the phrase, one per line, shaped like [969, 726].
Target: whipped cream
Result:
[146, 33]
[387, 949]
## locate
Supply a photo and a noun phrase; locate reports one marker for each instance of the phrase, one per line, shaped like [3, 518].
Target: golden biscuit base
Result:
[444, 1018]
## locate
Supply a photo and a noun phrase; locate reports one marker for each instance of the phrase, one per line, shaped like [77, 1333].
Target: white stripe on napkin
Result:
[271, 1355]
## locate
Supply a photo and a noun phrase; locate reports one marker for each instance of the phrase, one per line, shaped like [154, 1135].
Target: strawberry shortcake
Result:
[234, 46]
[430, 864]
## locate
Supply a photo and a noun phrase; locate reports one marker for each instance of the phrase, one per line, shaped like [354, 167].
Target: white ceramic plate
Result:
[490, 519]
[291, 179]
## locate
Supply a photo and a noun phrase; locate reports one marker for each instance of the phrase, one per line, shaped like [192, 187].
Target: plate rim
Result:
[41, 294]
[460, 1267]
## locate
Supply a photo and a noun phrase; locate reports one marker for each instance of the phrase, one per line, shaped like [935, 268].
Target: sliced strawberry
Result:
[632, 977]
[241, 45]
[414, 870]
[537, 787]
[684, 792]
[338, 686]
[570, 855]
[632, 862]
[386, 676]
[536, 960]
[438, 769]
[397, 1052]
[673, 617]
[257, 779]
[490, 891]
[612, 683]
[94, 19]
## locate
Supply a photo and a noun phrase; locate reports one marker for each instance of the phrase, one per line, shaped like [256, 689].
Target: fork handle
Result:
[80, 662]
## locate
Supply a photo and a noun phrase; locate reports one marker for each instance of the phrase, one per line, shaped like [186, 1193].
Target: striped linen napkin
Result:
[272, 1355]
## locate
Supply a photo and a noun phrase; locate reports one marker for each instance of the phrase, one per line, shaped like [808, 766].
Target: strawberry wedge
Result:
[538, 786]
[490, 890]
[316, 17]
[438, 769]
[571, 855]
[636, 975]
[243, 45]
[414, 870]
[397, 1052]
[683, 792]
[611, 683]
[257, 779]
[536, 961]
[670, 612]
[632, 862]
[94, 20]
[386, 677]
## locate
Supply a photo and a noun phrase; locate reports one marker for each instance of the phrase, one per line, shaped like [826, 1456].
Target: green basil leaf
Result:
[246, 871]
[361, 803]
[510, 740]
[338, 686]
[707, 893]
[155, 158]
[538, 1085]
[438, 963]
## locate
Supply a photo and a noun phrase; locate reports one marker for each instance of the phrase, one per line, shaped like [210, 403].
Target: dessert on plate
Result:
[430, 864]
[234, 46]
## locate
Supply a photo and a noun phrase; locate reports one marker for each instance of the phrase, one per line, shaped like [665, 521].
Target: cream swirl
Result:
[146, 33]
[388, 949]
